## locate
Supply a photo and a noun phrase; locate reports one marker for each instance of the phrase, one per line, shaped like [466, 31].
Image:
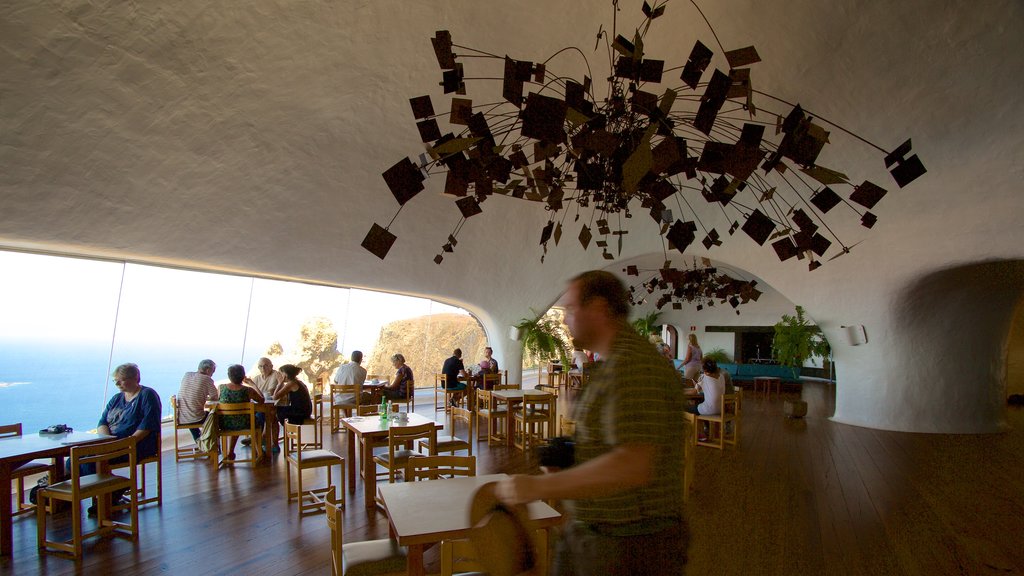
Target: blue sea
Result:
[45, 383]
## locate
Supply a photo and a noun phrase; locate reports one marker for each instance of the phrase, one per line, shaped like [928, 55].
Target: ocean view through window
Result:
[69, 321]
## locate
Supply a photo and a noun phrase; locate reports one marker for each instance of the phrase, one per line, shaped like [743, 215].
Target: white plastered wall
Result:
[251, 138]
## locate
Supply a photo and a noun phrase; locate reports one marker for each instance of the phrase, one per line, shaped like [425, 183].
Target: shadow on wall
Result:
[1015, 353]
[957, 336]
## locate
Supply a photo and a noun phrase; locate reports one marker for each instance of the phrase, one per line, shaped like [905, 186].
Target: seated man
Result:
[196, 388]
[134, 411]
[454, 368]
[267, 380]
[353, 374]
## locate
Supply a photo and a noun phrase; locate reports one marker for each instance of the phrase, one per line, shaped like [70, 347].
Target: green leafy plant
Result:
[648, 325]
[719, 355]
[797, 340]
[543, 339]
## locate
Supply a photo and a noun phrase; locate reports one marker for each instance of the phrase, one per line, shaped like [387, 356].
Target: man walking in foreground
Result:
[624, 493]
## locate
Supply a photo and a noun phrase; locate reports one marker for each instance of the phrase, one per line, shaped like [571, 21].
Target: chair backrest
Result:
[293, 441]
[238, 408]
[435, 467]
[460, 414]
[343, 390]
[492, 380]
[730, 405]
[100, 454]
[368, 410]
[174, 412]
[482, 400]
[402, 435]
[566, 426]
[336, 523]
[539, 402]
[440, 380]
[10, 430]
[508, 387]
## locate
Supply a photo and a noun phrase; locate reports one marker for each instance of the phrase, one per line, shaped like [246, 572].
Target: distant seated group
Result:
[454, 370]
[291, 396]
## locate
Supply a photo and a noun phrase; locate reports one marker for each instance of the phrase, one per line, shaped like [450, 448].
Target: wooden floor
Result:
[797, 497]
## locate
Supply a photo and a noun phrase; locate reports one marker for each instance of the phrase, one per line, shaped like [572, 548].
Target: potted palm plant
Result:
[797, 340]
[543, 339]
[648, 325]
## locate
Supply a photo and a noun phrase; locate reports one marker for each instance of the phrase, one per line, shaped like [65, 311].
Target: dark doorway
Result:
[754, 347]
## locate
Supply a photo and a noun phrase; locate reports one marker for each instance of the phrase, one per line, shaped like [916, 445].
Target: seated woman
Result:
[403, 382]
[234, 393]
[292, 396]
[712, 383]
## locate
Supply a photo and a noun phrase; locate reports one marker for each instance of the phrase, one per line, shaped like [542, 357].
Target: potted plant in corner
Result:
[797, 340]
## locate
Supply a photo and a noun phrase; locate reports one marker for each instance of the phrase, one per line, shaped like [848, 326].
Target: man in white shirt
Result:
[196, 388]
[352, 373]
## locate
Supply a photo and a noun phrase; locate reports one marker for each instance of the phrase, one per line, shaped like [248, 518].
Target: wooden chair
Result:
[253, 431]
[435, 467]
[566, 426]
[450, 442]
[188, 452]
[445, 394]
[309, 499]
[410, 398]
[724, 427]
[141, 463]
[317, 423]
[371, 558]
[28, 469]
[488, 408]
[534, 421]
[100, 486]
[368, 410]
[492, 380]
[400, 442]
[341, 391]
[461, 557]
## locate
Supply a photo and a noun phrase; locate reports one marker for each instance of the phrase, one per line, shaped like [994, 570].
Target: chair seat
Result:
[372, 557]
[533, 417]
[446, 443]
[401, 456]
[316, 456]
[490, 413]
[92, 484]
[33, 467]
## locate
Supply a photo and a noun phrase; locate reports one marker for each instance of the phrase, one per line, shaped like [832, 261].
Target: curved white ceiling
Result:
[251, 137]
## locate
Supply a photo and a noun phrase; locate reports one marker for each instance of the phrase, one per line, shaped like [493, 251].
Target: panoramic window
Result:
[67, 322]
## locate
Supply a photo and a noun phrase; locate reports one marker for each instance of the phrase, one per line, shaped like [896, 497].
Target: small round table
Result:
[767, 382]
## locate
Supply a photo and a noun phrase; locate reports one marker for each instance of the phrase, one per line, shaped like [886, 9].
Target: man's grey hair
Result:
[207, 365]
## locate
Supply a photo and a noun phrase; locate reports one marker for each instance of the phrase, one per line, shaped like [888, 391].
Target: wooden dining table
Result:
[17, 450]
[425, 513]
[512, 398]
[368, 431]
